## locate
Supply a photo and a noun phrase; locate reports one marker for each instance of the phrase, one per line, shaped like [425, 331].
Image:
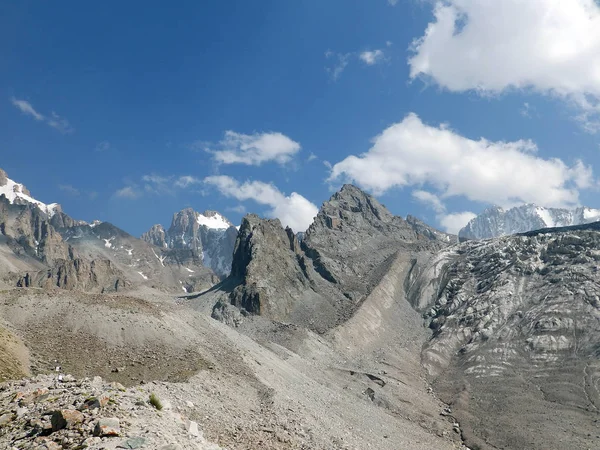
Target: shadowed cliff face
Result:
[516, 325]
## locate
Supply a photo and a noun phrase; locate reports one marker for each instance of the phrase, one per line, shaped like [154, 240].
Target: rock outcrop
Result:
[496, 221]
[273, 277]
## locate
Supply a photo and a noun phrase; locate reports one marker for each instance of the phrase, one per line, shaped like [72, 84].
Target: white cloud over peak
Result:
[490, 46]
[293, 210]
[54, 120]
[371, 58]
[254, 149]
[412, 153]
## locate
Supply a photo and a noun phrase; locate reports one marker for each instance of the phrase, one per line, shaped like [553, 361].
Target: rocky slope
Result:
[496, 221]
[209, 236]
[57, 412]
[516, 324]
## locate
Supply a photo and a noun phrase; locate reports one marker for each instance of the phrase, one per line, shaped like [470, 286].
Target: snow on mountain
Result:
[18, 193]
[496, 221]
[213, 220]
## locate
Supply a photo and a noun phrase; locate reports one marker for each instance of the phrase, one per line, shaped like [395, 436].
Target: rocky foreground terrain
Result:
[370, 332]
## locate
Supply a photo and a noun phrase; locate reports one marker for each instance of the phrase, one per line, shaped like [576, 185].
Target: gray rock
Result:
[107, 427]
[133, 443]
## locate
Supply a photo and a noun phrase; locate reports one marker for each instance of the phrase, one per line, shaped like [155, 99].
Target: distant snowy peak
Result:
[213, 220]
[496, 221]
[18, 194]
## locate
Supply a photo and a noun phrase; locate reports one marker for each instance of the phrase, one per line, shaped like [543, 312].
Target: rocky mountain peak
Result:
[17, 193]
[209, 236]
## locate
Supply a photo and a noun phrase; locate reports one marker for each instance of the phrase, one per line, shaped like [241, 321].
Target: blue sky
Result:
[130, 112]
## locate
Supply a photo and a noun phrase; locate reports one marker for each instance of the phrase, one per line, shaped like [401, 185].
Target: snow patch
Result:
[217, 221]
[143, 276]
[14, 191]
[107, 242]
[160, 258]
[189, 270]
[546, 217]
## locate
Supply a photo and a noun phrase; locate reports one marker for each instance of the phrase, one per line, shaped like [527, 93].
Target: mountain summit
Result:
[209, 235]
[496, 221]
[16, 193]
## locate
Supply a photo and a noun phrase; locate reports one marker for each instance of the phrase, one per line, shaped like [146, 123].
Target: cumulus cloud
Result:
[411, 153]
[54, 120]
[450, 222]
[371, 58]
[293, 210]
[430, 200]
[453, 222]
[490, 46]
[254, 149]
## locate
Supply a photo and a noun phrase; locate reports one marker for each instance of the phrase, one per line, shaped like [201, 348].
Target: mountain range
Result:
[496, 221]
[366, 331]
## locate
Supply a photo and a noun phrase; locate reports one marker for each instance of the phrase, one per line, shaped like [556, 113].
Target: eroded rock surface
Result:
[516, 325]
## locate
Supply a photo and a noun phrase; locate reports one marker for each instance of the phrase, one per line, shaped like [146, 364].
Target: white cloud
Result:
[411, 153]
[340, 61]
[430, 200]
[154, 184]
[128, 192]
[26, 108]
[185, 181]
[371, 58]
[392, 2]
[60, 123]
[294, 210]
[254, 149]
[452, 223]
[490, 46]
[54, 120]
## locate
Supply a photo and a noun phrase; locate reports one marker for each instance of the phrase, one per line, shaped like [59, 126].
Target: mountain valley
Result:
[366, 331]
